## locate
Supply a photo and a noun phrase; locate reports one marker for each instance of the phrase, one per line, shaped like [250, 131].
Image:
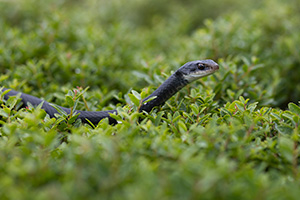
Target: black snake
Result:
[184, 75]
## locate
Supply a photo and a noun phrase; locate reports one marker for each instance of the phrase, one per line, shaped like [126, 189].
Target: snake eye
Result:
[201, 66]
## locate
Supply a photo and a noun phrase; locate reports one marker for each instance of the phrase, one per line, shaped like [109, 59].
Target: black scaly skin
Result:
[187, 73]
[171, 86]
[93, 116]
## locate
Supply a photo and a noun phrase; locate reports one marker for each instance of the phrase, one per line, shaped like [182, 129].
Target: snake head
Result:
[194, 70]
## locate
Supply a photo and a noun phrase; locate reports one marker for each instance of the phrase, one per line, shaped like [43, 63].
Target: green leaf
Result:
[116, 117]
[240, 106]
[69, 101]
[176, 118]
[73, 118]
[59, 110]
[182, 127]
[150, 99]
[284, 129]
[252, 106]
[193, 93]
[224, 110]
[158, 118]
[267, 112]
[276, 116]
[136, 94]
[289, 115]
[90, 123]
[75, 105]
[241, 98]
[3, 113]
[12, 100]
[195, 109]
[3, 77]
[4, 92]
[294, 108]
[286, 147]
[134, 100]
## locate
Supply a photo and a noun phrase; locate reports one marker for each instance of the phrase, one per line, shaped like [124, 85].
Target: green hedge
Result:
[232, 135]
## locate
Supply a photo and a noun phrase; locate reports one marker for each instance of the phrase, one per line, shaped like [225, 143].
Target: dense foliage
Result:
[232, 135]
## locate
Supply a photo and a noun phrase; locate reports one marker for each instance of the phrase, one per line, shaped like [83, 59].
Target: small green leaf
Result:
[252, 106]
[69, 101]
[158, 118]
[182, 126]
[73, 118]
[150, 99]
[195, 109]
[289, 115]
[59, 110]
[90, 123]
[115, 116]
[276, 116]
[241, 98]
[143, 94]
[193, 93]
[12, 100]
[3, 113]
[294, 108]
[40, 105]
[4, 77]
[136, 94]
[134, 100]
[75, 105]
[284, 129]
[224, 110]
[286, 148]
[240, 106]
[5, 92]
[176, 118]
[267, 112]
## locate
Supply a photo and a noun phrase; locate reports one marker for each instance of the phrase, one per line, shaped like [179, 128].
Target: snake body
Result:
[187, 73]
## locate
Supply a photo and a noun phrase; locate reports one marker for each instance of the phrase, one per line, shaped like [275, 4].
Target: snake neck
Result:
[165, 91]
